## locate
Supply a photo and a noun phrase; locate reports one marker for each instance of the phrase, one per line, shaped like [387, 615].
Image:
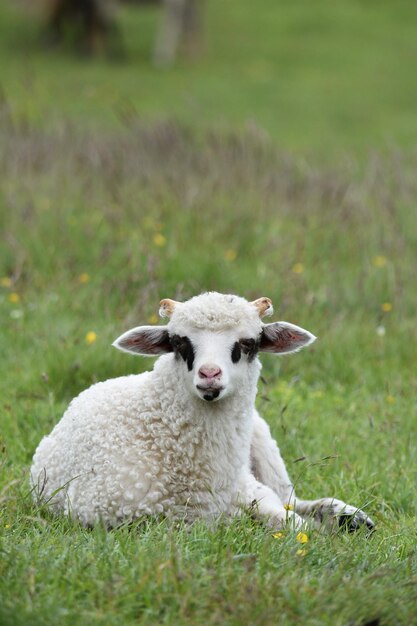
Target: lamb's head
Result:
[215, 339]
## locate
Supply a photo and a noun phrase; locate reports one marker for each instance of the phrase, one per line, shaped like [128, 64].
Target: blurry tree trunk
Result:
[181, 25]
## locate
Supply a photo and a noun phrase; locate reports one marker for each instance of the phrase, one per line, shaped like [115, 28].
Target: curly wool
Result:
[133, 445]
[216, 311]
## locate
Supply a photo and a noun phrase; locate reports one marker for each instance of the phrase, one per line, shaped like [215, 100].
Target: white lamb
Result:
[185, 439]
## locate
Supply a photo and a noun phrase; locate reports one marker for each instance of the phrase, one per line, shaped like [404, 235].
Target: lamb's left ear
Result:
[146, 340]
[282, 337]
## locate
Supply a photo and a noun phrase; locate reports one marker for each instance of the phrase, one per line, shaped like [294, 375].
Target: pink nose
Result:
[209, 371]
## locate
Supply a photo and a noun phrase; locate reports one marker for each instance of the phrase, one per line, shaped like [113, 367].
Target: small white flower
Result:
[380, 330]
[16, 314]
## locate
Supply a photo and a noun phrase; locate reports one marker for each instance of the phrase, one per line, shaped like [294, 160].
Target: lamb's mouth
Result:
[210, 393]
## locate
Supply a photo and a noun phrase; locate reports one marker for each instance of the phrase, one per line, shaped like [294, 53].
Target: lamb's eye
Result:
[183, 347]
[249, 347]
[236, 352]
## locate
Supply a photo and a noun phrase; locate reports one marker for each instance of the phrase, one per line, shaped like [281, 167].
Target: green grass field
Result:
[118, 191]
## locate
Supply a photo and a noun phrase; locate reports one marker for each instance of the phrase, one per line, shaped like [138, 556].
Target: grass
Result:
[96, 229]
[232, 575]
[281, 164]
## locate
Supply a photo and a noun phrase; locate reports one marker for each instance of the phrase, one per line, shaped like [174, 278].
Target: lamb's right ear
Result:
[146, 340]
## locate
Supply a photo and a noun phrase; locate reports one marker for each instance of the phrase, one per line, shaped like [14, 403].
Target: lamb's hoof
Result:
[354, 520]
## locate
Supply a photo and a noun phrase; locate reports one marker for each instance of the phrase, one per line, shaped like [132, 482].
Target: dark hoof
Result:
[352, 523]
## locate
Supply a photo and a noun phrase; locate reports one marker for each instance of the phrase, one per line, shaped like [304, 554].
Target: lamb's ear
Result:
[282, 338]
[146, 340]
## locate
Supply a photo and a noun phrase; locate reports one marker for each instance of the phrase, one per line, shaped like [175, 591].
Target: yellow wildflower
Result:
[301, 552]
[90, 337]
[379, 261]
[278, 535]
[230, 255]
[386, 307]
[159, 240]
[288, 507]
[390, 399]
[83, 278]
[302, 538]
[298, 268]
[153, 319]
[14, 298]
[6, 281]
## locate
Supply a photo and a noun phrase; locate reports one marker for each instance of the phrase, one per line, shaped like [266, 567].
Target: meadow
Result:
[104, 210]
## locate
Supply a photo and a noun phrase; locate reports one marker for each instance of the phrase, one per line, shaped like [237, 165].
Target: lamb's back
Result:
[98, 428]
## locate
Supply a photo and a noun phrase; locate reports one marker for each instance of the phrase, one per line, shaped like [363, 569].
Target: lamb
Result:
[185, 439]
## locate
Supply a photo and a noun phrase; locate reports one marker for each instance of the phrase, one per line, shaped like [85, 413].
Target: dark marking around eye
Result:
[236, 353]
[250, 347]
[183, 348]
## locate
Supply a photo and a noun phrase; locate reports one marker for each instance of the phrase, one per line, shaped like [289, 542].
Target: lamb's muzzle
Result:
[210, 384]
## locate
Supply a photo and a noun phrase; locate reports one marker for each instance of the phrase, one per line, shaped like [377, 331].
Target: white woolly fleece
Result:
[217, 312]
[132, 446]
[142, 445]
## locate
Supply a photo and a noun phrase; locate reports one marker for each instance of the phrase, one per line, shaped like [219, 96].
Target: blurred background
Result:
[322, 77]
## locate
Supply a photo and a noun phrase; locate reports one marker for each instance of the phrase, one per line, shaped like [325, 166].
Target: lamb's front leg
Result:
[267, 463]
[264, 503]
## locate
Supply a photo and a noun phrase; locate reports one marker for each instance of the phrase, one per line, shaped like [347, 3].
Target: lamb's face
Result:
[216, 364]
[215, 339]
